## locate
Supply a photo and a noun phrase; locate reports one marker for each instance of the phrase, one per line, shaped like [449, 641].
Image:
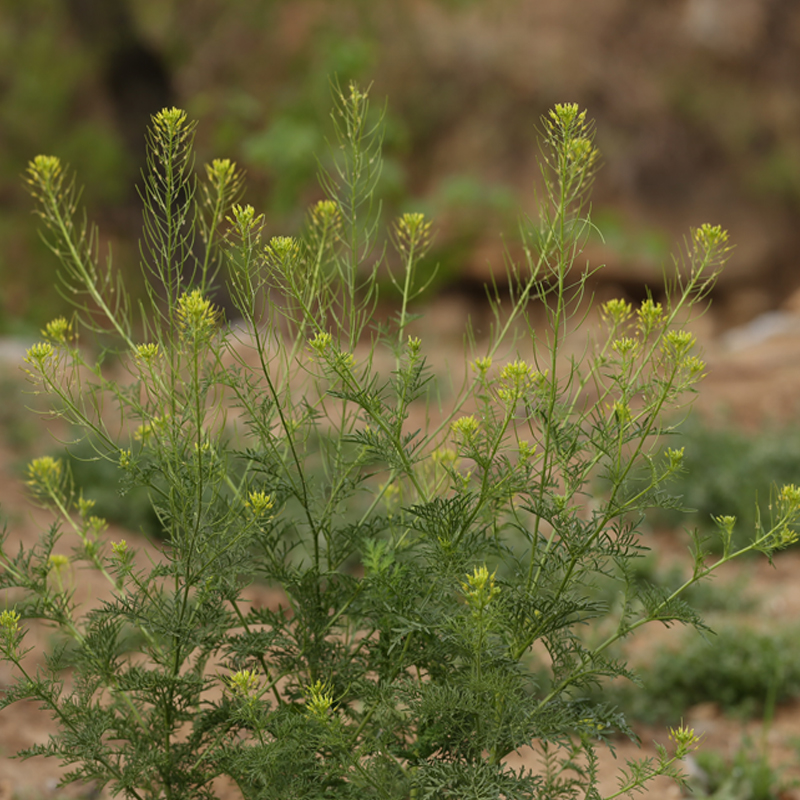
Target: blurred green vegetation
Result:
[467, 83]
[258, 76]
[733, 472]
[102, 481]
[742, 670]
[747, 775]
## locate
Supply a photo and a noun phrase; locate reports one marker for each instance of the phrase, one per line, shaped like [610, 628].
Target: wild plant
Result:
[433, 554]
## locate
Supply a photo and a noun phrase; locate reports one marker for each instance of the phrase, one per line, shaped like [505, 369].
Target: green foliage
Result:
[726, 467]
[101, 482]
[739, 669]
[432, 559]
[647, 575]
[747, 776]
[19, 430]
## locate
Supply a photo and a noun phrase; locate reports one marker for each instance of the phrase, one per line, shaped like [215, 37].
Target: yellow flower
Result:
[196, 314]
[516, 379]
[616, 311]
[625, 346]
[146, 352]
[282, 250]
[171, 122]
[40, 353]
[9, 621]
[482, 365]
[58, 330]
[480, 588]
[465, 429]
[320, 343]
[318, 700]
[412, 233]
[649, 314]
[325, 216]
[45, 475]
[260, 503]
[243, 684]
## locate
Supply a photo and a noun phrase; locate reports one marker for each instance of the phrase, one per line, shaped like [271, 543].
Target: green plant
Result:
[647, 575]
[725, 467]
[747, 776]
[403, 659]
[19, 430]
[738, 668]
[99, 480]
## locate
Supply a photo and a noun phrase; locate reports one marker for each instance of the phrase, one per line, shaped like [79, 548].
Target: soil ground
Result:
[753, 376]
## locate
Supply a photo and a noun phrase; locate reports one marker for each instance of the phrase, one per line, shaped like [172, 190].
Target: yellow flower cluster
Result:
[244, 683]
[480, 589]
[260, 503]
[318, 700]
[325, 216]
[516, 379]
[412, 233]
[223, 175]
[465, 429]
[146, 352]
[616, 312]
[58, 330]
[282, 250]
[45, 475]
[196, 314]
[39, 354]
[170, 123]
[244, 218]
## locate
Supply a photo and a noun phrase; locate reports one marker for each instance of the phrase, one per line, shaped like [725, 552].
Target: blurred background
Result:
[697, 105]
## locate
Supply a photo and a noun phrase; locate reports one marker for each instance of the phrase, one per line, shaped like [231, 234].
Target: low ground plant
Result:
[747, 775]
[740, 669]
[729, 468]
[434, 549]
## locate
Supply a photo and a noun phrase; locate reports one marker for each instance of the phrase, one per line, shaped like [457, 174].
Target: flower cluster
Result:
[480, 589]
[260, 503]
[171, 124]
[516, 380]
[223, 176]
[245, 221]
[243, 684]
[282, 251]
[616, 312]
[45, 177]
[325, 216]
[39, 354]
[319, 700]
[412, 234]
[58, 330]
[196, 315]
[649, 316]
[465, 429]
[146, 353]
[45, 476]
[10, 632]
